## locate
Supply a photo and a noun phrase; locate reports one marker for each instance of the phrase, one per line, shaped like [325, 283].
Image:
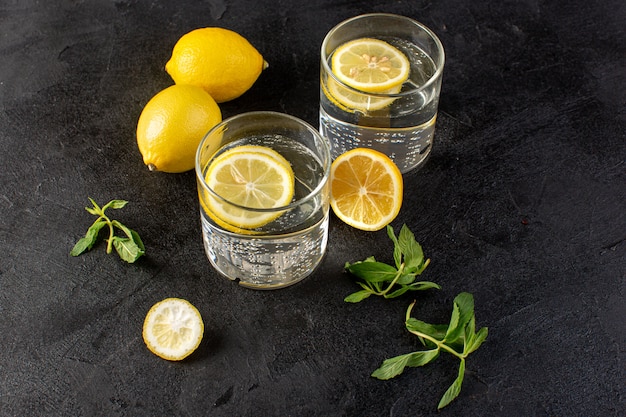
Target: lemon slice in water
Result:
[367, 67]
[249, 176]
[370, 65]
[351, 100]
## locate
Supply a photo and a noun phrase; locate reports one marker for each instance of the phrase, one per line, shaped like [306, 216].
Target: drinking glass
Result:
[289, 248]
[400, 124]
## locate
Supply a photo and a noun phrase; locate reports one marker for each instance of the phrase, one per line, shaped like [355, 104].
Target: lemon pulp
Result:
[370, 65]
[173, 329]
[366, 189]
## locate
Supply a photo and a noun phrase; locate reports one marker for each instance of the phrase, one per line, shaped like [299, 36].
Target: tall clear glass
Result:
[400, 124]
[290, 247]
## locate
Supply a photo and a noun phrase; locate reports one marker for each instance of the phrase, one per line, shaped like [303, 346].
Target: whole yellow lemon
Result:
[219, 60]
[171, 126]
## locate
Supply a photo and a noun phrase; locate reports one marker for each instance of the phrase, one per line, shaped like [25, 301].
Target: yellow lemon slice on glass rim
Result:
[173, 329]
[366, 189]
[249, 177]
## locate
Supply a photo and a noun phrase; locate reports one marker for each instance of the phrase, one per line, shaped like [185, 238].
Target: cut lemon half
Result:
[173, 329]
[255, 177]
[366, 189]
[370, 65]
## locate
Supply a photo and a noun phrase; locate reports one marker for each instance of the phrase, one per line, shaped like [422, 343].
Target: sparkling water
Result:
[289, 248]
[403, 130]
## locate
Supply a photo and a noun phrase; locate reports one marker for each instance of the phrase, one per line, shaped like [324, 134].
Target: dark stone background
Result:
[523, 204]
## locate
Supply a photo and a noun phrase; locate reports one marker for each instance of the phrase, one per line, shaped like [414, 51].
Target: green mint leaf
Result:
[470, 329]
[368, 259]
[454, 321]
[126, 230]
[81, 246]
[397, 250]
[95, 205]
[440, 337]
[424, 285]
[86, 243]
[393, 367]
[137, 240]
[421, 329]
[476, 341]
[405, 278]
[373, 271]
[127, 249]
[454, 389]
[386, 280]
[357, 296]
[134, 236]
[413, 254]
[115, 204]
[462, 313]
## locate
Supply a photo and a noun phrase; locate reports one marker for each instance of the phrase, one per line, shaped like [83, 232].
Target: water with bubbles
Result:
[403, 130]
[289, 248]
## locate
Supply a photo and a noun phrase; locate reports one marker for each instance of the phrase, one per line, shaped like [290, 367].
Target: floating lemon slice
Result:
[249, 176]
[370, 65]
[173, 329]
[351, 100]
[264, 150]
[366, 189]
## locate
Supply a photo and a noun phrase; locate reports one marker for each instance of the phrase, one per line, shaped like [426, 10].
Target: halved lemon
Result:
[249, 176]
[370, 65]
[366, 189]
[173, 329]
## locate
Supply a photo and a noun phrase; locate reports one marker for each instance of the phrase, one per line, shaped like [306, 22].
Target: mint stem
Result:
[395, 279]
[111, 233]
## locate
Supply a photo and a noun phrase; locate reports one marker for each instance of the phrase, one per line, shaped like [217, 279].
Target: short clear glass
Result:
[289, 248]
[402, 124]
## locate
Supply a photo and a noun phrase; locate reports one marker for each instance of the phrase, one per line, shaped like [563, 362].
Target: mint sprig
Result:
[129, 248]
[389, 281]
[458, 338]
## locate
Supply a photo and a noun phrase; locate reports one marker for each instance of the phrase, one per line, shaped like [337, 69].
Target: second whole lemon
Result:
[171, 126]
[219, 60]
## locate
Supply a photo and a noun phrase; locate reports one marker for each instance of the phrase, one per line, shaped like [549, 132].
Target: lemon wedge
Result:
[249, 176]
[173, 329]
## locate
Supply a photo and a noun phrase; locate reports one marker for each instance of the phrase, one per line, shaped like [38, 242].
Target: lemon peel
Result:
[221, 61]
[171, 126]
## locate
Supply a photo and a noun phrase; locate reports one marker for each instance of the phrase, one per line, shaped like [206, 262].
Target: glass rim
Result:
[432, 79]
[314, 192]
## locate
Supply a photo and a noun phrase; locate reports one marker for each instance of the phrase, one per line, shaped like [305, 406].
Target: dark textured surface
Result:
[523, 204]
